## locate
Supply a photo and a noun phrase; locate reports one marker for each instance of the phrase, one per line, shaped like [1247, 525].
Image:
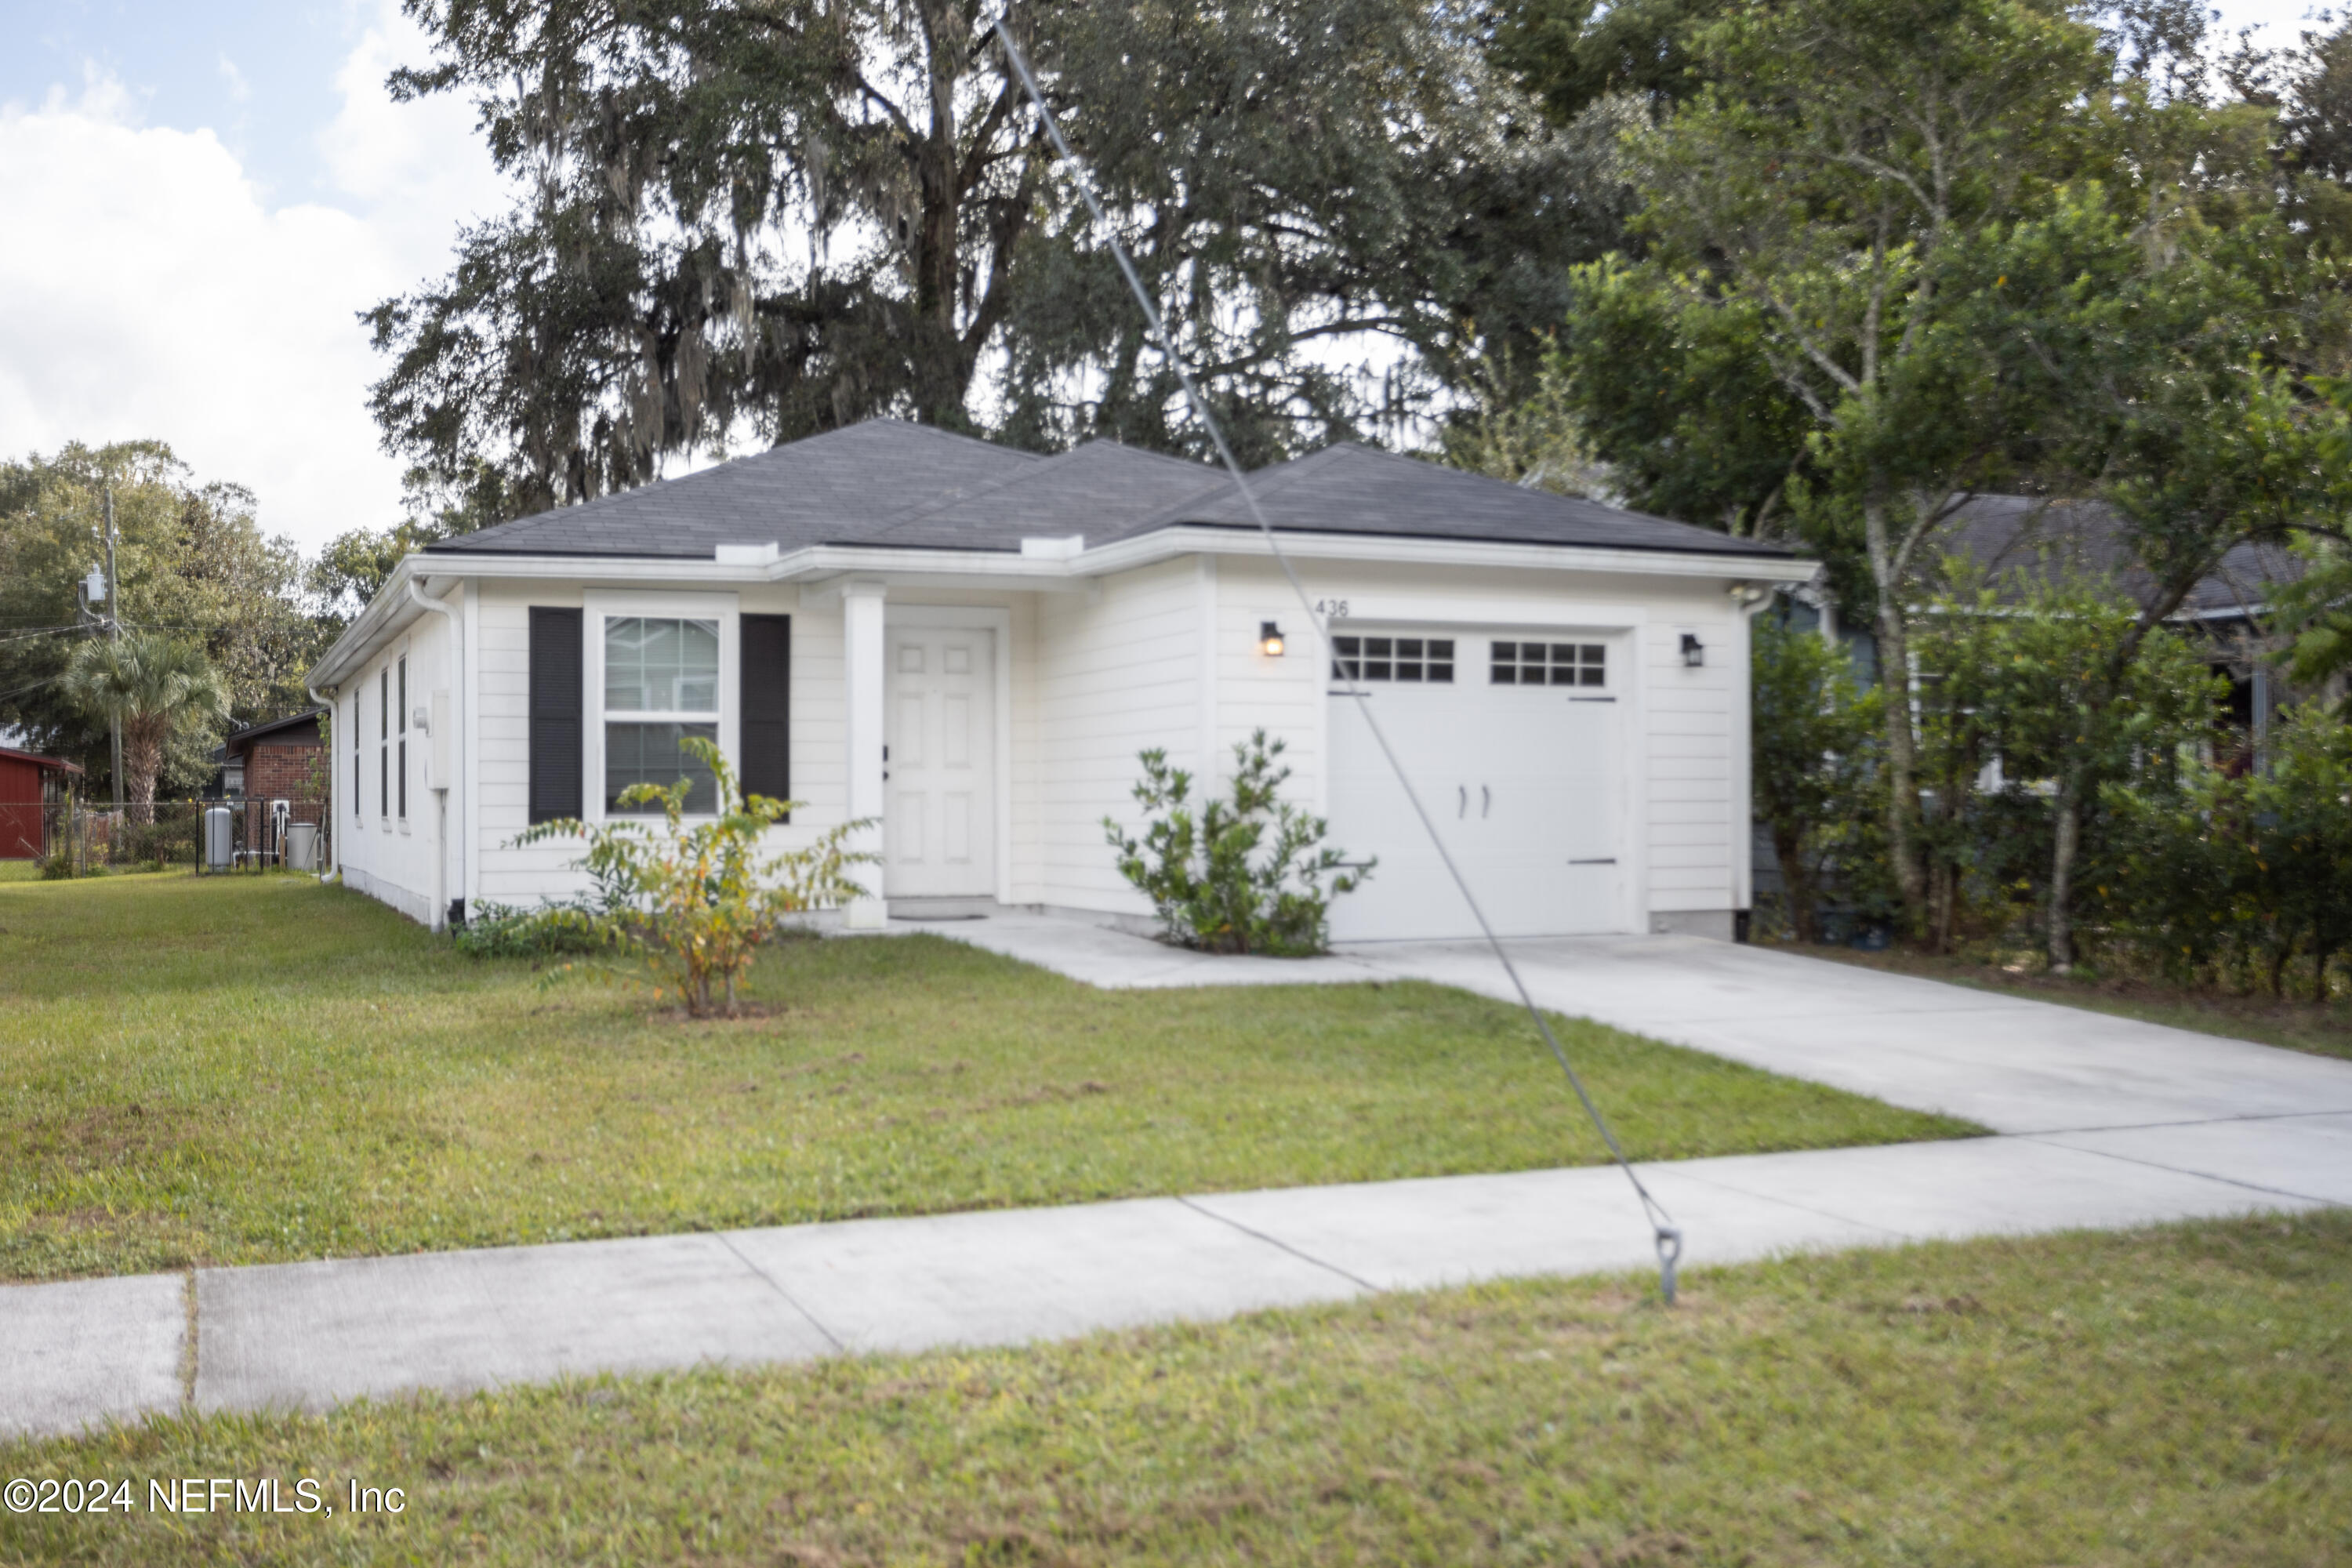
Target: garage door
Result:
[1511, 743]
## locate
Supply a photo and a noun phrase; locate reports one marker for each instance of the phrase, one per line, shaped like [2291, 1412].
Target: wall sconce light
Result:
[1693, 650]
[1269, 639]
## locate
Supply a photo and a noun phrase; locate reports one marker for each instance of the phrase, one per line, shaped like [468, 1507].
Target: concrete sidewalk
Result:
[310, 1335]
[2108, 1123]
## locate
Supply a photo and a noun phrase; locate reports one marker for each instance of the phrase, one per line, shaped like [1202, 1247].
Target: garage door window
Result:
[1427, 659]
[1552, 664]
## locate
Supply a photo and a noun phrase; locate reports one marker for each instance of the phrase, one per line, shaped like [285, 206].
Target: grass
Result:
[2322, 1028]
[2170, 1396]
[249, 1069]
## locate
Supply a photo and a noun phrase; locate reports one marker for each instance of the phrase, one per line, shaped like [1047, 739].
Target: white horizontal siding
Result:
[1689, 751]
[1117, 673]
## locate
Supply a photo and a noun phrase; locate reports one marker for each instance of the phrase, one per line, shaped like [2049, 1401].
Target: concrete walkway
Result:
[2105, 1123]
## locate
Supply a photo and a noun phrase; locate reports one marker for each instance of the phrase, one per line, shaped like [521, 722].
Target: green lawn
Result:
[2171, 1396]
[235, 1070]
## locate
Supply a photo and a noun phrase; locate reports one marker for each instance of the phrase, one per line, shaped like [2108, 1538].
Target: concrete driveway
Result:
[2277, 1121]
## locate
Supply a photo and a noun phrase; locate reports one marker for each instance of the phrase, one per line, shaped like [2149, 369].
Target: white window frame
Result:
[400, 739]
[383, 746]
[598, 606]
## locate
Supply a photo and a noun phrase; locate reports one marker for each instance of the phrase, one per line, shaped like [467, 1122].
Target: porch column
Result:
[863, 651]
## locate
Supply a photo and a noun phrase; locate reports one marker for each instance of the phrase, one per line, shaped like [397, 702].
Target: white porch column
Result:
[862, 652]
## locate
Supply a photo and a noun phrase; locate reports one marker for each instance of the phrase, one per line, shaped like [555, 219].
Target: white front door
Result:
[939, 831]
[1511, 745]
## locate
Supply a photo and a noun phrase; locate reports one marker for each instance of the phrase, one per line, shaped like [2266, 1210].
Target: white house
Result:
[969, 645]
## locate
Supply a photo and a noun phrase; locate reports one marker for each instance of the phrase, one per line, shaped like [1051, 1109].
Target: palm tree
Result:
[151, 685]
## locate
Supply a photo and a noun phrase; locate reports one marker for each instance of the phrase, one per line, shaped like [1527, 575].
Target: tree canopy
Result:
[762, 218]
[192, 565]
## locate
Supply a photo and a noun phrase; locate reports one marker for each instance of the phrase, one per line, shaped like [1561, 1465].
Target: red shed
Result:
[28, 783]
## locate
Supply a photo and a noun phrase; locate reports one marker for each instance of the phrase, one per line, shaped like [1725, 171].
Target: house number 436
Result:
[1331, 609]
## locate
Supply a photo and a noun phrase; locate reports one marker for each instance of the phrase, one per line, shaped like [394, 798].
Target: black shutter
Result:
[767, 686]
[555, 704]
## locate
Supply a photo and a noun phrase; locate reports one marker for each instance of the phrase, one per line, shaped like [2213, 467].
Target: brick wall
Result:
[292, 772]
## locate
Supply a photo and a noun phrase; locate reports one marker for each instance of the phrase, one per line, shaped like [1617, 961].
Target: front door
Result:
[939, 834]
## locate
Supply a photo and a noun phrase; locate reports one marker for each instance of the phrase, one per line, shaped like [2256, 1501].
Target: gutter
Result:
[1005, 568]
[456, 720]
[327, 871]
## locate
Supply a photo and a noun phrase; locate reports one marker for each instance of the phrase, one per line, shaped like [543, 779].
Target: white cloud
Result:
[148, 288]
[239, 90]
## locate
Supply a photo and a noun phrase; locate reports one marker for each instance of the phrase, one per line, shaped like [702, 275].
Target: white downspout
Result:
[333, 837]
[456, 762]
[1749, 601]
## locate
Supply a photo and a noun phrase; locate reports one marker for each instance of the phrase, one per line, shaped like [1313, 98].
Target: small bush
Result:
[693, 905]
[508, 931]
[1200, 875]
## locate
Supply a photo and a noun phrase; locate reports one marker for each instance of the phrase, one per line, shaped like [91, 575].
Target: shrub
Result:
[691, 905]
[1216, 882]
[1817, 782]
[2239, 871]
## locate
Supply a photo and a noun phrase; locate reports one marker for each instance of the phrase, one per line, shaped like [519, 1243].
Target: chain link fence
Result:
[82, 838]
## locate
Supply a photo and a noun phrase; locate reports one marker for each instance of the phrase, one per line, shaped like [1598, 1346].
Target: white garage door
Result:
[1511, 743]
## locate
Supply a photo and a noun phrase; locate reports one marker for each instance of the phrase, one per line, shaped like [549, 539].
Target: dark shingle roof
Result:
[2018, 538]
[825, 489]
[1098, 491]
[1348, 488]
[886, 482]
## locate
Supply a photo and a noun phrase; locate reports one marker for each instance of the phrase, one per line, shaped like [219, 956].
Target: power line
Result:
[1669, 1236]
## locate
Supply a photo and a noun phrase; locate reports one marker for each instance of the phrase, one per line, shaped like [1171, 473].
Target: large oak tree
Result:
[770, 218]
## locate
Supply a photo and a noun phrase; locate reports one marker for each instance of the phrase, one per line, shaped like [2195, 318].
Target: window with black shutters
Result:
[383, 742]
[400, 766]
[555, 713]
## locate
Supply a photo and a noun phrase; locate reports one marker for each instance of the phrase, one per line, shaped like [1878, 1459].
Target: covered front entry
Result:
[939, 835]
[1512, 744]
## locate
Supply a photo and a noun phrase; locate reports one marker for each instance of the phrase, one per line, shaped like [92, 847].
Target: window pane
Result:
[1348, 646]
[1440, 647]
[1408, 647]
[661, 666]
[649, 753]
[1442, 673]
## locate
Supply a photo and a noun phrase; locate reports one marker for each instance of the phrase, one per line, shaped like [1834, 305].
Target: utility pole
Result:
[114, 634]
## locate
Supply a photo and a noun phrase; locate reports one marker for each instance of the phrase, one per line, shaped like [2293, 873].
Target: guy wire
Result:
[1667, 1236]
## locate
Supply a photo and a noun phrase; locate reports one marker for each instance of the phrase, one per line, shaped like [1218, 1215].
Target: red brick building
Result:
[28, 783]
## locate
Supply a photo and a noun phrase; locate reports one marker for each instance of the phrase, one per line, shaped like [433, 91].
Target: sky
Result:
[197, 197]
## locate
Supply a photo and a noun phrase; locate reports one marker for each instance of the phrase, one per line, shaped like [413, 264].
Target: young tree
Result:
[1815, 731]
[154, 686]
[2066, 683]
[2316, 611]
[694, 902]
[1824, 187]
